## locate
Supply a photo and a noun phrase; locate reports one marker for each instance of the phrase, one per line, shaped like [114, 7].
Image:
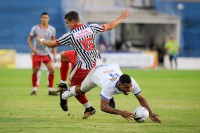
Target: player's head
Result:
[44, 18]
[125, 84]
[72, 19]
[171, 38]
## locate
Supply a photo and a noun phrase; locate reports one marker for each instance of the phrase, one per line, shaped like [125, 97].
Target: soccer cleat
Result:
[63, 103]
[89, 112]
[33, 93]
[61, 87]
[112, 103]
[52, 93]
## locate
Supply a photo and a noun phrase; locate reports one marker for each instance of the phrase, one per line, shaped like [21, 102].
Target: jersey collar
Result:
[78, 25]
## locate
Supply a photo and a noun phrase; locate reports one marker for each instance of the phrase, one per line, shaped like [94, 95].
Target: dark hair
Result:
[72, 15]
[44, 13]
[125, 78]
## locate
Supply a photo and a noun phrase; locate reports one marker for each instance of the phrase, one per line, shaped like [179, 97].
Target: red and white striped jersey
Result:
[82, 39]
[48, 34]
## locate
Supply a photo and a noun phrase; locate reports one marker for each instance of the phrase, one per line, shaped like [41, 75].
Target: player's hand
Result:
[124, 14]
[54, 59]
[35, 52]
[154, 117]
[40, 39]
[127, 115]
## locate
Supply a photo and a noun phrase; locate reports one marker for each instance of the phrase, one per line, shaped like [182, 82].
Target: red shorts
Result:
[37, 59]
[77, 74]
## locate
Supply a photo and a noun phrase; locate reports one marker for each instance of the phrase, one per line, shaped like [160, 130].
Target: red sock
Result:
[64, 70]
[34, 80]
[51, 78]
[82, 98]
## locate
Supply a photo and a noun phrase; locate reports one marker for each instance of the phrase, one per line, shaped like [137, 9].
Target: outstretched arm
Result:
[51, 43]
[108, 109]
[154, 117]
[113, 24]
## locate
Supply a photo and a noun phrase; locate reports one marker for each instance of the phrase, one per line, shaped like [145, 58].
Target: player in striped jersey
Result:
[82, 39]
[41, 53]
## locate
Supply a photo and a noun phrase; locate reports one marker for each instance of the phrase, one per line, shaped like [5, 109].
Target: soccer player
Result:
[41, 53]
[112, 81]
[82, 39]
[172, 48]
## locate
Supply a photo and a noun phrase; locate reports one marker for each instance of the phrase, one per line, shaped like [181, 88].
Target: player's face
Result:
[45, 19]
[70, 24]
[125, 88]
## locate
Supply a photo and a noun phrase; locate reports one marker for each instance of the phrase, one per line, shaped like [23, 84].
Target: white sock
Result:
[69, 93]
[87, 105]
[50, 89]
[34, 88]
[62, 81]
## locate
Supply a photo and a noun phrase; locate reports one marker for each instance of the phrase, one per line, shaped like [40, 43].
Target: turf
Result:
[173, 94]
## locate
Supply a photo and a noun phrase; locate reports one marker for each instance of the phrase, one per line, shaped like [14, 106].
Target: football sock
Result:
[51, 78]
[34, 80]
[50, 89]
[62, 81]
[82, 98]
[69, 93]
[87, 105]
[34, 89]
[64, 70]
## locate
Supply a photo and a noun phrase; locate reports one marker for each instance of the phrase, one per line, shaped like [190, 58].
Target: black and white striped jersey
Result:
[82, 39]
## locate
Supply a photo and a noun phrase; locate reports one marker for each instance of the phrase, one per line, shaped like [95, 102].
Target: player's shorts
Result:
[171, 57]
[77, 74]
[38, 59]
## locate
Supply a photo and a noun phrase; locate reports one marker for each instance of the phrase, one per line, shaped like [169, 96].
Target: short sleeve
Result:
[64, 39]
[136, 88]
[106, 93]
[54, 32]
[97, 27]
[32, 33]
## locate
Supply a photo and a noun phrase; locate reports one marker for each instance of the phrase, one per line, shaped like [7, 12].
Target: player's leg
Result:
[170, 59]
[69, 57]
[50, 66]
[86, 86]
[78, 78]
[36, 63]
[175, 60]
[39, 73]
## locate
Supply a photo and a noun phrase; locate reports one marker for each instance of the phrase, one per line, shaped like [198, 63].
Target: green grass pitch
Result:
[173, 94]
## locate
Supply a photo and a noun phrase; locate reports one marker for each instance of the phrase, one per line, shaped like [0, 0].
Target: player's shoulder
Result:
[35, 26]
[52, 27]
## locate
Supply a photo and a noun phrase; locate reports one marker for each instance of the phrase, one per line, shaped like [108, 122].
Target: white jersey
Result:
[82, 39]
[107, 76]
[48, 34]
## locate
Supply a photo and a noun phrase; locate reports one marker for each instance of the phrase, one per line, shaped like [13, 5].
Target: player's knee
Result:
[63, 57]
[35, 70]
[51, 71]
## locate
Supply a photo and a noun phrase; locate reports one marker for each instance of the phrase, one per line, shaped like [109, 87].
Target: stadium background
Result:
[17, 18]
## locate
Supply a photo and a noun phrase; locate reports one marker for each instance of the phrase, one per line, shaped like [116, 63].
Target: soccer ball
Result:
[141, 114]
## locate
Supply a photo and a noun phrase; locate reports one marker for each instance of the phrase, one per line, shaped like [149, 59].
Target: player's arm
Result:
[143, 102]
[29, 41]
[52, 43]
[113, 24]
[105, 107]
[54, 50]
